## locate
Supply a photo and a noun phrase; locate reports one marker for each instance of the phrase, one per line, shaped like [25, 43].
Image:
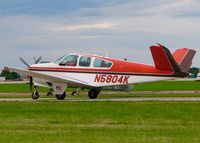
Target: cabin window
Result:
[102, 63]
[84, 61]
[70, 60]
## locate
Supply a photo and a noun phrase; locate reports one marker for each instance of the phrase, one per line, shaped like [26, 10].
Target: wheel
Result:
[35, 95]
[49, 93]
[93, 93]
[61, 96]
[74, 93]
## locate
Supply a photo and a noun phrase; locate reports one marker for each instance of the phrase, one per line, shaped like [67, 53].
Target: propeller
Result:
[24, 62]
[30, 77]
[37, 60]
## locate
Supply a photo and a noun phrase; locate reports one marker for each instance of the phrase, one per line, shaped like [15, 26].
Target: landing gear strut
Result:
[50, 92]
[61, 96]
[35, 94]
[77, 91]
[93, 93]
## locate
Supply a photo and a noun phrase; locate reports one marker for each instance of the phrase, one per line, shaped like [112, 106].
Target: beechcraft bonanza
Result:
[96, 73]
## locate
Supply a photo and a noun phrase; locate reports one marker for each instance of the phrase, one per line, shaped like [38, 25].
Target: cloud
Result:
[123, 29]
[83, 27]
[89, 37]
[50, 7]
[166, 7]
[91, 26]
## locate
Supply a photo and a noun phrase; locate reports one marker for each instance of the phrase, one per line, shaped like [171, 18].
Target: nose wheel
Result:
[35, 94]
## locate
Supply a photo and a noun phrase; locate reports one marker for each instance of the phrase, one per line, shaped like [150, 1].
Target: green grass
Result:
[17, 88]
[168, 85]
[154, 86]
[22, 88]
[100, 122]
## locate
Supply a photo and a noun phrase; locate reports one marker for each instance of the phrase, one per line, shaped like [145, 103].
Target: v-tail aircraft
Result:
[96, 73]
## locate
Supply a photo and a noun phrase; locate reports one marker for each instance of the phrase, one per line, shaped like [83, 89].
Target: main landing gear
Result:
[77, 91]
[93, 93]
[50, 92]
[61, 96]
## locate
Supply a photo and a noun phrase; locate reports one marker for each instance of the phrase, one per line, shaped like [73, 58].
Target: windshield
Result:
[68, 60]
[58, 61]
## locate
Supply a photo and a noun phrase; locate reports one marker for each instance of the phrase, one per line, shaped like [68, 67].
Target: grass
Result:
[108, 122]
[17, 88]
[168, 85]
[155, 86]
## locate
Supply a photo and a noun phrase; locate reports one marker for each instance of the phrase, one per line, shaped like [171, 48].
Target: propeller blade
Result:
[35, 59]
[38, 60]
[31, 83]
[24, 62]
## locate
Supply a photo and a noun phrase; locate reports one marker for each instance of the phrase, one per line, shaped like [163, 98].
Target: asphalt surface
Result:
[134, 99]
[114, 92]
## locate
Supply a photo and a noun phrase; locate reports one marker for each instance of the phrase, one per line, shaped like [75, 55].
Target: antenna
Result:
[106, 54]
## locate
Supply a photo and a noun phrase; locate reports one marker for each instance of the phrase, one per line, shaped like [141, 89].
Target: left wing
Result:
[57, 79]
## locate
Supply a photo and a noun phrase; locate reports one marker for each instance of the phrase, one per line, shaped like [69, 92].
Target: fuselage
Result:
[99, 71]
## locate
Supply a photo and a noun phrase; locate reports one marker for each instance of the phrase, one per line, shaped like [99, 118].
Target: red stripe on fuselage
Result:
[118, 67]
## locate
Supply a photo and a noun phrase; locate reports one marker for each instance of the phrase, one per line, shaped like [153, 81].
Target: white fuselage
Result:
[97, 79]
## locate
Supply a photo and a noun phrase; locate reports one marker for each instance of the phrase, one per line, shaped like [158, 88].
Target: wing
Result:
[53, 78]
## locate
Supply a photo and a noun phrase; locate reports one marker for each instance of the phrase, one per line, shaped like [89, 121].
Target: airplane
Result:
[97, 72]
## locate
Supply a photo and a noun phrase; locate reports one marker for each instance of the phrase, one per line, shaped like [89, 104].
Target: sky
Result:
[118, 28]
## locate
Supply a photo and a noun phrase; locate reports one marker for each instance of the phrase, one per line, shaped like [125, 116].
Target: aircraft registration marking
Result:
[103, 78]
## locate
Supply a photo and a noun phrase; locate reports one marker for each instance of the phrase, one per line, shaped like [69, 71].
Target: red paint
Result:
[180, 54]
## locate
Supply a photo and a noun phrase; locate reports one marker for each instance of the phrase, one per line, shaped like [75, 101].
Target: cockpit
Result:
[74, 60]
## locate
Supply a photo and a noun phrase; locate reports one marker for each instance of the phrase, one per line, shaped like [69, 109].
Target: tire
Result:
[35, 95]
[61, 96]
[49, 94]
[73, 93]
[93, 93]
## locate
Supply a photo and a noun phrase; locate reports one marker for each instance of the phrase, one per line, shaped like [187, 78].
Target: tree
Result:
[10, 75]
[194, 72]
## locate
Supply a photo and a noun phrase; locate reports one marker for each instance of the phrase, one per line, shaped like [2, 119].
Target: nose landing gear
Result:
[35, 94]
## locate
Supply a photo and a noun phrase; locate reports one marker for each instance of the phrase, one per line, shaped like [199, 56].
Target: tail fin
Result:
[177, 63]
[183, 58]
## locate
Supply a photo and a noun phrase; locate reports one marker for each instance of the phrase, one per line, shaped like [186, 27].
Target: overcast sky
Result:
[121, 28]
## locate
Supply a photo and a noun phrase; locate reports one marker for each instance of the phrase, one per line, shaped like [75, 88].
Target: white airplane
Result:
[96, 73]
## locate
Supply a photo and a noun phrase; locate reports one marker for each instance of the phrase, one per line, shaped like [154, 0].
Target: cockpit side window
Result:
[84, 61]
[70, 60]
[102, 63]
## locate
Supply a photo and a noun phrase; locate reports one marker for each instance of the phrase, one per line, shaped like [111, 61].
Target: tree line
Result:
[10, 75]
